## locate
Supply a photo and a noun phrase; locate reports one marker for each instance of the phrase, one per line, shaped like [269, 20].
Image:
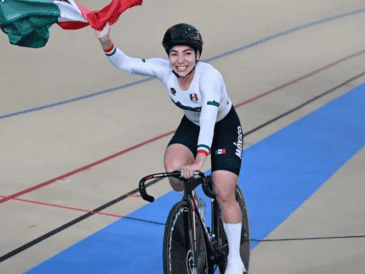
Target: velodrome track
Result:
[74, 131]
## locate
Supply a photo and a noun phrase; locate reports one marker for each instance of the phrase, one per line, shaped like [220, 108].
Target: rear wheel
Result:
[178, 253]
[245, 235]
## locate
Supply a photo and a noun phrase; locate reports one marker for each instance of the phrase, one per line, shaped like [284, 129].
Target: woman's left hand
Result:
[100, 34]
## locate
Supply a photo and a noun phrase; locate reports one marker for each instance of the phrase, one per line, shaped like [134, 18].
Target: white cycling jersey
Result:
[204, 103]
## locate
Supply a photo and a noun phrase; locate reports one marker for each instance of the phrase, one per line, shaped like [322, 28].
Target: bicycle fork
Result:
[211, 242]
[193, 242]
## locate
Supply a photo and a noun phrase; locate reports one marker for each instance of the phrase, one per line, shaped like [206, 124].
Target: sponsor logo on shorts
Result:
[220, 151]
[239, 144]
[144, 60]
[173, 91]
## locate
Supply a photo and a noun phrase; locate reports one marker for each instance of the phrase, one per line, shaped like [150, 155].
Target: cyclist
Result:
[209, 124]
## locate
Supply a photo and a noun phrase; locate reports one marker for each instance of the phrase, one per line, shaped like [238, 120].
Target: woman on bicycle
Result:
[210, 123]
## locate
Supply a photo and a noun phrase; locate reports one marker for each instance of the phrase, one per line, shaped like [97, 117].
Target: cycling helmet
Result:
[182, 34]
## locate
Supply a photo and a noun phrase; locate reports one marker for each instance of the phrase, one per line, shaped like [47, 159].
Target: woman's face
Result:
[182, 59]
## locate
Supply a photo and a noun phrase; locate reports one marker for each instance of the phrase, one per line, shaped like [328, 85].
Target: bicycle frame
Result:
[209, 237]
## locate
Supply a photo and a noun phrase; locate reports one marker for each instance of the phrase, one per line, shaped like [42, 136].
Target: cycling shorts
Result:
[227, 145]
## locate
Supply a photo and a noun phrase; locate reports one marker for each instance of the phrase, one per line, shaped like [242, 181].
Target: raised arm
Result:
[104, 38]
[156, 67]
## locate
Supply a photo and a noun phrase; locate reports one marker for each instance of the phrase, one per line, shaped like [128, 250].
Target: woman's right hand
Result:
[104, 32]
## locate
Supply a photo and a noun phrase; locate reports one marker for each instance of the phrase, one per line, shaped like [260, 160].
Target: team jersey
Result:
[204, 103]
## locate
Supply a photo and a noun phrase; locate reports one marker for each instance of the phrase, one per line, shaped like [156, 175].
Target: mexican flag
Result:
[27, 22]
[220, 151]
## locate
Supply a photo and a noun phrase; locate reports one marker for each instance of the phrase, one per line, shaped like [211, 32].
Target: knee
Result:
[176, 184]
[176, 163]
[226, 198]
[225, 187]
[172, 165]
[176, 157]
[225, 194]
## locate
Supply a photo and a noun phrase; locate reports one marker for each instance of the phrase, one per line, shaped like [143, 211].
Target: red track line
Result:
[299, 79]
[64, 207]
[85, 167]
[170, 132]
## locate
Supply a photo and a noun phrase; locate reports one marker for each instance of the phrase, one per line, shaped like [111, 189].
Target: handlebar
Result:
[176, 174]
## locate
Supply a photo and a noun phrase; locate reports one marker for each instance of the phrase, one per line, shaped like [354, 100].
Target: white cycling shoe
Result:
[235, 266]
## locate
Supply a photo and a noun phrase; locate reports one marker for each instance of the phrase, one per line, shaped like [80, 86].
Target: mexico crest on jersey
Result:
[194, 97]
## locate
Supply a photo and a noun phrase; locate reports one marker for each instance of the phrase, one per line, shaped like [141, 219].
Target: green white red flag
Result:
[220, 151]
[27, 22]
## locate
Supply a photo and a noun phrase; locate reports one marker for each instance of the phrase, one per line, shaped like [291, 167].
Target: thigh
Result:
[182, 148]
[177, 156]
[227, 146]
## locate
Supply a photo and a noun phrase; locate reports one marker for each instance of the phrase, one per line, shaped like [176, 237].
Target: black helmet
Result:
[182, 34]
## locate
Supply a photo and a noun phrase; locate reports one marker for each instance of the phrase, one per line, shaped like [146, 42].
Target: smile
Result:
[181, 68]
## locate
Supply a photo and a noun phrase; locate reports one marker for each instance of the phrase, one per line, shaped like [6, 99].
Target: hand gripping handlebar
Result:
[176, 174]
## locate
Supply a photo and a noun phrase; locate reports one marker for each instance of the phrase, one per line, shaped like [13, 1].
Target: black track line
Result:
[87, 215]
[309, 239]
[304, 104]
[77, 220]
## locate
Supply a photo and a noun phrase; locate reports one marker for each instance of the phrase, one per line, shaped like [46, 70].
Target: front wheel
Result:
[178, 254]
[245, 234]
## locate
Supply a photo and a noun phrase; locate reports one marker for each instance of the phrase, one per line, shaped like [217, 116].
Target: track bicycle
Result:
[191, 247]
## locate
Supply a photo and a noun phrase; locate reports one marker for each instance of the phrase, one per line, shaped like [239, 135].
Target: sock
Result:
[234, 264]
